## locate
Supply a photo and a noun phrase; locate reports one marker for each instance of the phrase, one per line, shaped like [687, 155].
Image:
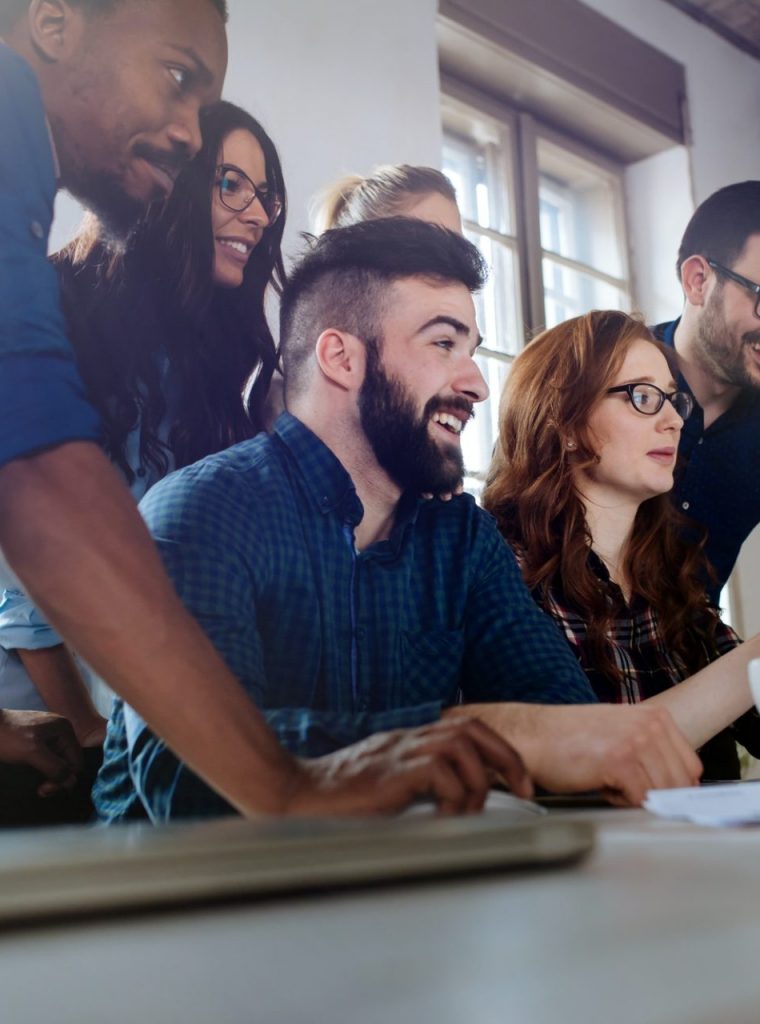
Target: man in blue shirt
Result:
[717, 340]
[103, 98]
[345, 603]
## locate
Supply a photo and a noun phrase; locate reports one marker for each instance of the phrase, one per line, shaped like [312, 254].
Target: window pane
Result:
[498, 305]
[569, 293]
[480, 433]
[477, 159]
[579, 207]
[478, 173]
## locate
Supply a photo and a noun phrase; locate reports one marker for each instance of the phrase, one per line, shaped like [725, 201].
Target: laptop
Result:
[47, 873]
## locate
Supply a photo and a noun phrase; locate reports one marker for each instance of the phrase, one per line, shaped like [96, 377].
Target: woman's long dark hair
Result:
[552, 388]
[131, 311]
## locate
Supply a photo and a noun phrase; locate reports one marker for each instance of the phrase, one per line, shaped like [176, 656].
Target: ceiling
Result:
[735, 20]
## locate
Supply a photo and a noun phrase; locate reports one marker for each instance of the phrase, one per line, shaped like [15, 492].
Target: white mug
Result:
[754, 680]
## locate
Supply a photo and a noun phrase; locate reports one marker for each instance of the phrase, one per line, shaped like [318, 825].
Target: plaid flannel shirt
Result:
[645, 665]
[331, 643]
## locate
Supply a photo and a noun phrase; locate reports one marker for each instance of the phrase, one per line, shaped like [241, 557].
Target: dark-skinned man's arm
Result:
[71, 531]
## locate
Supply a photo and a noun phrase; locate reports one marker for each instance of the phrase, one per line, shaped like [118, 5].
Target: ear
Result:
[342, 358]
[695, 274]
[55, 28]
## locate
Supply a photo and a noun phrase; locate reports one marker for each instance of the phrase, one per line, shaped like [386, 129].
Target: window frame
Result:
[469, 113]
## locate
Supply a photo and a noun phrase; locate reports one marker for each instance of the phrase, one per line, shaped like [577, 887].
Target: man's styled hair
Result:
[721, 225]
[12, 10]
[343, 282]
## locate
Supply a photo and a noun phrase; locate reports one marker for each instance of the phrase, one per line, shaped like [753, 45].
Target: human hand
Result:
[452, 762]
[624, 751]
[43, 741]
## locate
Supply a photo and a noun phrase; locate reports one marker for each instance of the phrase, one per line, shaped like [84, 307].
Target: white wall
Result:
[341, 85]
[723, 86]
[659, 204]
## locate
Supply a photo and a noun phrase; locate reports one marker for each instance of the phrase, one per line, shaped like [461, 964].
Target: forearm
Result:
[70, 529]
[527, 727]
[714, 697]
[59, 682]
[623, 750]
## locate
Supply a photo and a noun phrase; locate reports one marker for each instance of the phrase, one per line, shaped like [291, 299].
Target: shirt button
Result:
[700, 440]
[685, 506]
[37, 229]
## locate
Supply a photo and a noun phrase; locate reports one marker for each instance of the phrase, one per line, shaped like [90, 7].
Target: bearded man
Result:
[103, 97]
[344, 602]
[717, 341]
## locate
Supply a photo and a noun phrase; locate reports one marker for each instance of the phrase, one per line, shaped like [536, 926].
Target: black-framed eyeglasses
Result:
[745, 282]
[649, 399]
[237, 192]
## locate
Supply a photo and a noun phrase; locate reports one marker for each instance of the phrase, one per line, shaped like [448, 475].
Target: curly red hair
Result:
[552, 388]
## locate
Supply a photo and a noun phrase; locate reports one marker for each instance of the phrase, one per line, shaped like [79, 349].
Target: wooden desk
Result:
[660, 926]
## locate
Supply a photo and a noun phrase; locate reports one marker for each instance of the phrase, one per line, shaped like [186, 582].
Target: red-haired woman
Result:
[590, 421]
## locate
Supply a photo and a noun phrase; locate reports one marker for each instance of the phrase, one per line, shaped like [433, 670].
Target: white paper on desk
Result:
[736, 803]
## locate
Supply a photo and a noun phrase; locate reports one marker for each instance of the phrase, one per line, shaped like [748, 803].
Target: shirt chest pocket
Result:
[431, 664]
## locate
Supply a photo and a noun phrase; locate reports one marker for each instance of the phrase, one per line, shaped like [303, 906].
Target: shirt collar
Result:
[325, 479]
[328, 484]
[666, 333]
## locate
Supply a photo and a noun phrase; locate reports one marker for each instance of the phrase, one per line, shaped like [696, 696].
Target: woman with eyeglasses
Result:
[175, 351]
[170, 332]
[589, 425]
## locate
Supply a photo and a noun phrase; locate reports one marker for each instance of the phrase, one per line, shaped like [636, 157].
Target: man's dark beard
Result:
[117, 212]
[103, 193]
[401, 442]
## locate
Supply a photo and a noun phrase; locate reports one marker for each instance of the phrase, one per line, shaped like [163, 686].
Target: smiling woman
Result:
[589, 426]
[170, 333]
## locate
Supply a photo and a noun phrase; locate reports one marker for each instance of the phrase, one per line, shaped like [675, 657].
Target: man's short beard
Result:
[117, 213]
[400, 440]
[723, 355]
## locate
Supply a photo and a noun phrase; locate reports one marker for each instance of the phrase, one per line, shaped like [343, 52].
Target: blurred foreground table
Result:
[660, 925]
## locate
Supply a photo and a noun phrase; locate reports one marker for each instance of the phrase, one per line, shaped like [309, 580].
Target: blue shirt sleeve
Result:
[21, 624]
[41, 393]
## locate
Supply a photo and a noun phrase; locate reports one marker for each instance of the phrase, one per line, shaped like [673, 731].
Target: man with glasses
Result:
[717, 341]
[345, 603]
[103, 97]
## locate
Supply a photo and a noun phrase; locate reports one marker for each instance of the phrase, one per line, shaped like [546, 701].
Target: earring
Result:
[571, 446]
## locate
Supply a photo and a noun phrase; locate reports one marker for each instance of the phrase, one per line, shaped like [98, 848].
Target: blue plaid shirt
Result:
[41, 394]
[331, 643]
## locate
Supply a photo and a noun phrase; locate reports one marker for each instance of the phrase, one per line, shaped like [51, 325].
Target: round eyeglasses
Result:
[648, 399]
[237, 192]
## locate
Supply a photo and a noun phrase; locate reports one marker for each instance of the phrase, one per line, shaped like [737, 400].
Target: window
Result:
[582, 235]
[547, 214]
